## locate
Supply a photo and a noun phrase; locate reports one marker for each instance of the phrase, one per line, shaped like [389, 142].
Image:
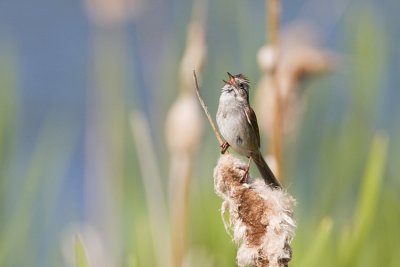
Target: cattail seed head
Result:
[260, 217]
[184, 125]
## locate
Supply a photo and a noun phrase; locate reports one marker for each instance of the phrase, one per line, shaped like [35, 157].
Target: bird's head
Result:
[238, 84]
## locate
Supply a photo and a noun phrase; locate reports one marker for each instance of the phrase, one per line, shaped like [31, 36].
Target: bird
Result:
[237, 123]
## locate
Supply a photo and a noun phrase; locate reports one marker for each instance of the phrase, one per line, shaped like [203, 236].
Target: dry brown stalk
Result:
[204, 106]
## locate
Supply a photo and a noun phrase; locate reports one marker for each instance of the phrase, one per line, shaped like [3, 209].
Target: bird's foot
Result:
[224, 147]
[245, 177]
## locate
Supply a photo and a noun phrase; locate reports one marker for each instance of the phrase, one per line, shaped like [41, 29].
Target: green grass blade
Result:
[81, 259]
[351, 243]
[319, 244]
[369, 196]
[47, 164]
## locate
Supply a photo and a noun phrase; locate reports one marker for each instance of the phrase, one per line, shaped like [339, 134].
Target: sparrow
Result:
[237, 124]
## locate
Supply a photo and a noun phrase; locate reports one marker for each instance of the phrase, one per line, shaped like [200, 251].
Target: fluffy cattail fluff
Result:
[260, 217]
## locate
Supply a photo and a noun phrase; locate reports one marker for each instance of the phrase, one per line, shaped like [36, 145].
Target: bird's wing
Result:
[252, 119]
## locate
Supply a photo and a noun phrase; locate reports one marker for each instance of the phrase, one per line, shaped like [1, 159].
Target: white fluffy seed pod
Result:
[260, 217]
[184, 125]
[195, 54]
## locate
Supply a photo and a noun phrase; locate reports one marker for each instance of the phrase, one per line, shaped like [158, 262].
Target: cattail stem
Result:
[273, 15]
[204, 106]
[184, 118]
[180, 208]
[276, 135]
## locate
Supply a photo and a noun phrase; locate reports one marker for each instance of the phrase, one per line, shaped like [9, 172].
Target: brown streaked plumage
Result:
[238, 124]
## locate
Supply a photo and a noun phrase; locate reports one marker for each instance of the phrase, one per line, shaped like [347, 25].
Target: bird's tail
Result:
[265, 171]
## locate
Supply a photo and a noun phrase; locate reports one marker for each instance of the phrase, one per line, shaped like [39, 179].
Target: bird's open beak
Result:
[231, 80]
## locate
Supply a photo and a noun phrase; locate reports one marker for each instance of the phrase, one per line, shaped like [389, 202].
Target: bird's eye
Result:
[241, 86]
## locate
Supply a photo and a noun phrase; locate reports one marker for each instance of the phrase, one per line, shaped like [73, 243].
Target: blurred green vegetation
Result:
[342, 170]
[80, 253]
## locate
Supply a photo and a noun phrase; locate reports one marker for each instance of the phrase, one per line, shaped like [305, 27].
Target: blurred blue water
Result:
[50, 40]
[51, 44]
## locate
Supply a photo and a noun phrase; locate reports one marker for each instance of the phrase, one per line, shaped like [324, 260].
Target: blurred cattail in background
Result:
[183, 129]
[106, 119]
[285, 61]
[298, 58]
[107, 13]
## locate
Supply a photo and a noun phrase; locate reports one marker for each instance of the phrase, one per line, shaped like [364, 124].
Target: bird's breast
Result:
[234, 127]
